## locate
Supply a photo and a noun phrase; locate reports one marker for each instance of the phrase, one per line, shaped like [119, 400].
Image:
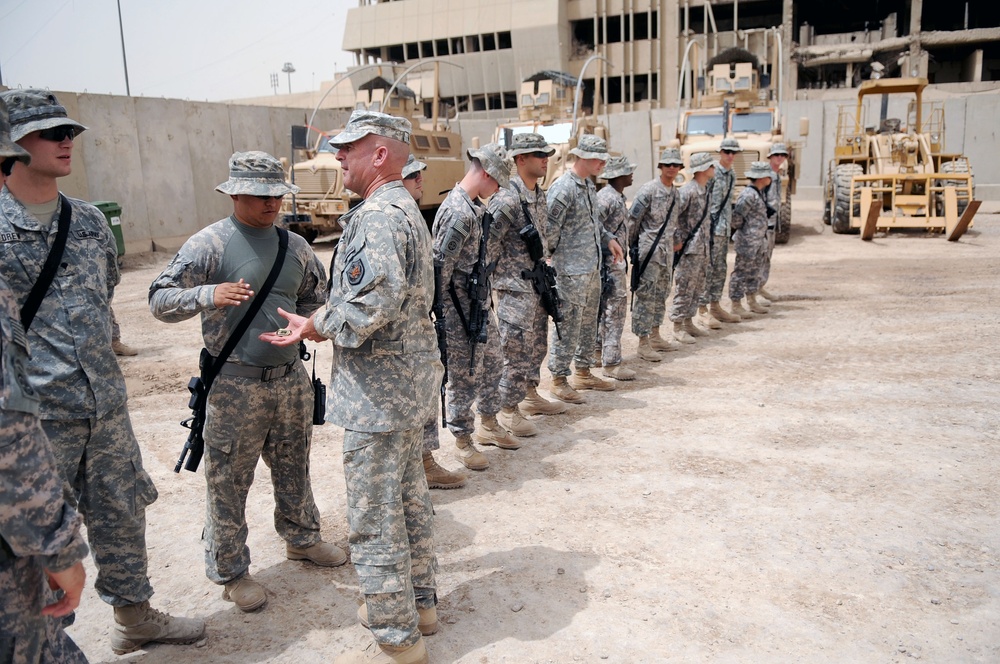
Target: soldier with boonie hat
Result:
[750, 222]
[494, 160]
[670, 157]
[777, 156]
[37, 110]
[778, 149]
[529, 143]
[759, 170]
[730, 144]
[700, 162]
[256, 173]
[720, 212]
[617, 167]
[412, 167]
[591, 146]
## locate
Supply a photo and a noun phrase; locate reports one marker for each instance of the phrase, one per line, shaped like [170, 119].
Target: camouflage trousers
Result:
[649, 305]
[101, 460]
[246, 420]
[751, 257]
[432, 435]
[580, 296]
[612, 321]
[480, 388]
[26, 635]
[715, 274]
[766, 269]
[523, 327]
[689, 283]
[391, 524]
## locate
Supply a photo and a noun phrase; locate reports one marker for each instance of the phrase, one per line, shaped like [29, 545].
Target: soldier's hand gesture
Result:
[232, 295]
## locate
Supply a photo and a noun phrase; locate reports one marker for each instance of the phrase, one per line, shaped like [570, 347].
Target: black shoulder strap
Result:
[52, 261]
[659, 234]
[209, 373]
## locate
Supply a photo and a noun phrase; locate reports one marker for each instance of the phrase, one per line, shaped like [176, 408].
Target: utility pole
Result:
[289, 69]
[121, 32]
[274, 82]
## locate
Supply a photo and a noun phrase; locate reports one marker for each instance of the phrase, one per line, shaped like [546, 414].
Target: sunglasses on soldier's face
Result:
[728, 151]
[58, 134]
[267, 198]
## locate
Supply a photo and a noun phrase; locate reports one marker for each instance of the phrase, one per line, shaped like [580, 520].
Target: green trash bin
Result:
[113, 212]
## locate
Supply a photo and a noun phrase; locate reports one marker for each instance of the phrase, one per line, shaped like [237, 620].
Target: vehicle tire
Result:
[784, 229]
[840, 221]
[960, 165]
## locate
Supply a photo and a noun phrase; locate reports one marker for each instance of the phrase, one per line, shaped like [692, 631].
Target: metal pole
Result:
[121, 32]
[579, 84]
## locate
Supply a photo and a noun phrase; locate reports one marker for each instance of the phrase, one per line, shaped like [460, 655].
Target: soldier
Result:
[691, 248]
[438, 477]
[750, 223]
[777, 157]
[386, 371]
[575, 238]
[261, 403]
[41, 546]
[523, 320]
[458, 245]
[653, 218]
[83, 399]
[614, 287]
[720, 212]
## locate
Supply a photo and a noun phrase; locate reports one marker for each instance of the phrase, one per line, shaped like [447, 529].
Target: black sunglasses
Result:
[267, 198]
[58, 134]
[728, 151]
[540, 155]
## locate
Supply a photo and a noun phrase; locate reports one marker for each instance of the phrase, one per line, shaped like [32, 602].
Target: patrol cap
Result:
[617, 167]
[670, 157]
[35, 110]
[494, 160]
[701, 161]
[412, 167]
[730, 144]
[363, 123]
[758, 170]
[529, 142]
[778, 148]
[8, 148]
[591, 147]
[257, 174]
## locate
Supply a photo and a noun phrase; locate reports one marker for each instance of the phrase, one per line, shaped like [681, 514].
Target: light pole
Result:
[274, 83]
[121, 32]
[289, 69]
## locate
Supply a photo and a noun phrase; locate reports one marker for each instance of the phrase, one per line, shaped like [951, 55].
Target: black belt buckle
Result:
[271, 373]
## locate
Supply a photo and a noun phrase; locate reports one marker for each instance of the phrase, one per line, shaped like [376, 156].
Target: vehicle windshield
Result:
[324, 145]
[707, 124]
[751, 122]
[553, 134]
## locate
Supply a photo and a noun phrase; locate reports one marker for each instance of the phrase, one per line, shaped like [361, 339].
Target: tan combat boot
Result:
[467, 453]
[738, 310]
[139, 624]
[618, 372]
[246, 593]
[707, 319]
[598, 353]
[693, 329]
[427, 619]
[721, 314]
[563, 391]
[439, 477]
[489, 432]
[323, 554]
[754, 305]
[384, 654]
[681, 334]
[536, 404]
[646, 351]
[761, 294]
[659, 343]
[582, 379]
[513, 420]
[121, 348]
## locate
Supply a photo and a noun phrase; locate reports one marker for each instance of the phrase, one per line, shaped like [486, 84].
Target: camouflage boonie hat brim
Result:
[412, 167]
[494, 160]
[591, 147]
[8, 148]
[730, 144]
[670, 157]
[256, 173]
[616, 168]
[778, 148]
[701, 161]
[35, 110]
[529, 142]
[363, 123]
[758, 170]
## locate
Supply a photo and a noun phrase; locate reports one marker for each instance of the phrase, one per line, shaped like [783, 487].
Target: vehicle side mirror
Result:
[299, 137]
[657, 132]
[803, 126]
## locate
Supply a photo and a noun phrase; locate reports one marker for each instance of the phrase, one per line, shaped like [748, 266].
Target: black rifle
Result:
[607, 287]
[479, 294]
[542, 276]
[437, 308]
[633, 251]
[678, 254]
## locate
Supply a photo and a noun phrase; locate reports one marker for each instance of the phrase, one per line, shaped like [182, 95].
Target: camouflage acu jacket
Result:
[513, 252]
[574, 233]
[614, 216]
[750, 216]
[720, 206]
[691, 211]
[649, 210]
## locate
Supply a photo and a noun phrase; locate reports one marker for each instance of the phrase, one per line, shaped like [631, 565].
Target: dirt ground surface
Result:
[818, 484]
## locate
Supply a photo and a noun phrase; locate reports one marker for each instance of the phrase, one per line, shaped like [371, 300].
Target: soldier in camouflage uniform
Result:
[720, 213]
[522, 318]
[261, 403]
[654, 201]
[575, 240]
[458, 230]
[750, 223]
[386, 373]
[691, 240]
[40, 539]
[83, 399]
[776, 157]
[614, 296]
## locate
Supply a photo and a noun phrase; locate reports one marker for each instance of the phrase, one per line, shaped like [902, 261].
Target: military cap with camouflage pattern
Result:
[670, 157]
[493, 157]
[701, 161]
[591, 147]
[35, 110]
[257, 174]
[529, 142]
[363, 123]
[730, 144]
[758, 170]
[778, 148]
[8, 148]
[412, 167]
[617, 167]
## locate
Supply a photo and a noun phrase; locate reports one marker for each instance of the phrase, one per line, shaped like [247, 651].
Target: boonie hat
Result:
[758, 170]
[591, 147]
[363, 123]
[8, 148]
[412, 167]
[730, 144]
[701, 161]
[778, 148]
[257, 174]
[35, 110]
[617, 167]
[670, 157]
[494, 160]
[529, 142]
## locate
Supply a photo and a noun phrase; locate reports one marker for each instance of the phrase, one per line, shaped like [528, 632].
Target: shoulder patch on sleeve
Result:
[455, 236]
[357, 271]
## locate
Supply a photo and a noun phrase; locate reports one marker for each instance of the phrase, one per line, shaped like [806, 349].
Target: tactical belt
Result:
[263, 374]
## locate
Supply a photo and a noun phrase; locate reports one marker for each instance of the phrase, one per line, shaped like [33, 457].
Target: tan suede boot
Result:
[439, 477]
[489, 432]
[739, 310]
[562, 390]
[536, 404]
[754, 305]
[618, 372]
[721, 314]
[681, 334]
[761, 294]
[139, 624]
[513, 420]
[384, 654]
[598, 353]
[582, 379]
[659, 343]
[467, 453]
[646, 351]
[121, 348]
[707, 319]
[693, 329]
[323, 554]
[245, 593]
[427, 619]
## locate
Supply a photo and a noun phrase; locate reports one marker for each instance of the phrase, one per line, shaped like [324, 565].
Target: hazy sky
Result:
[186, 49]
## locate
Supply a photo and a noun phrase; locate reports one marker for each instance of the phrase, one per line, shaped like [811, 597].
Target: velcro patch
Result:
[9, 237]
